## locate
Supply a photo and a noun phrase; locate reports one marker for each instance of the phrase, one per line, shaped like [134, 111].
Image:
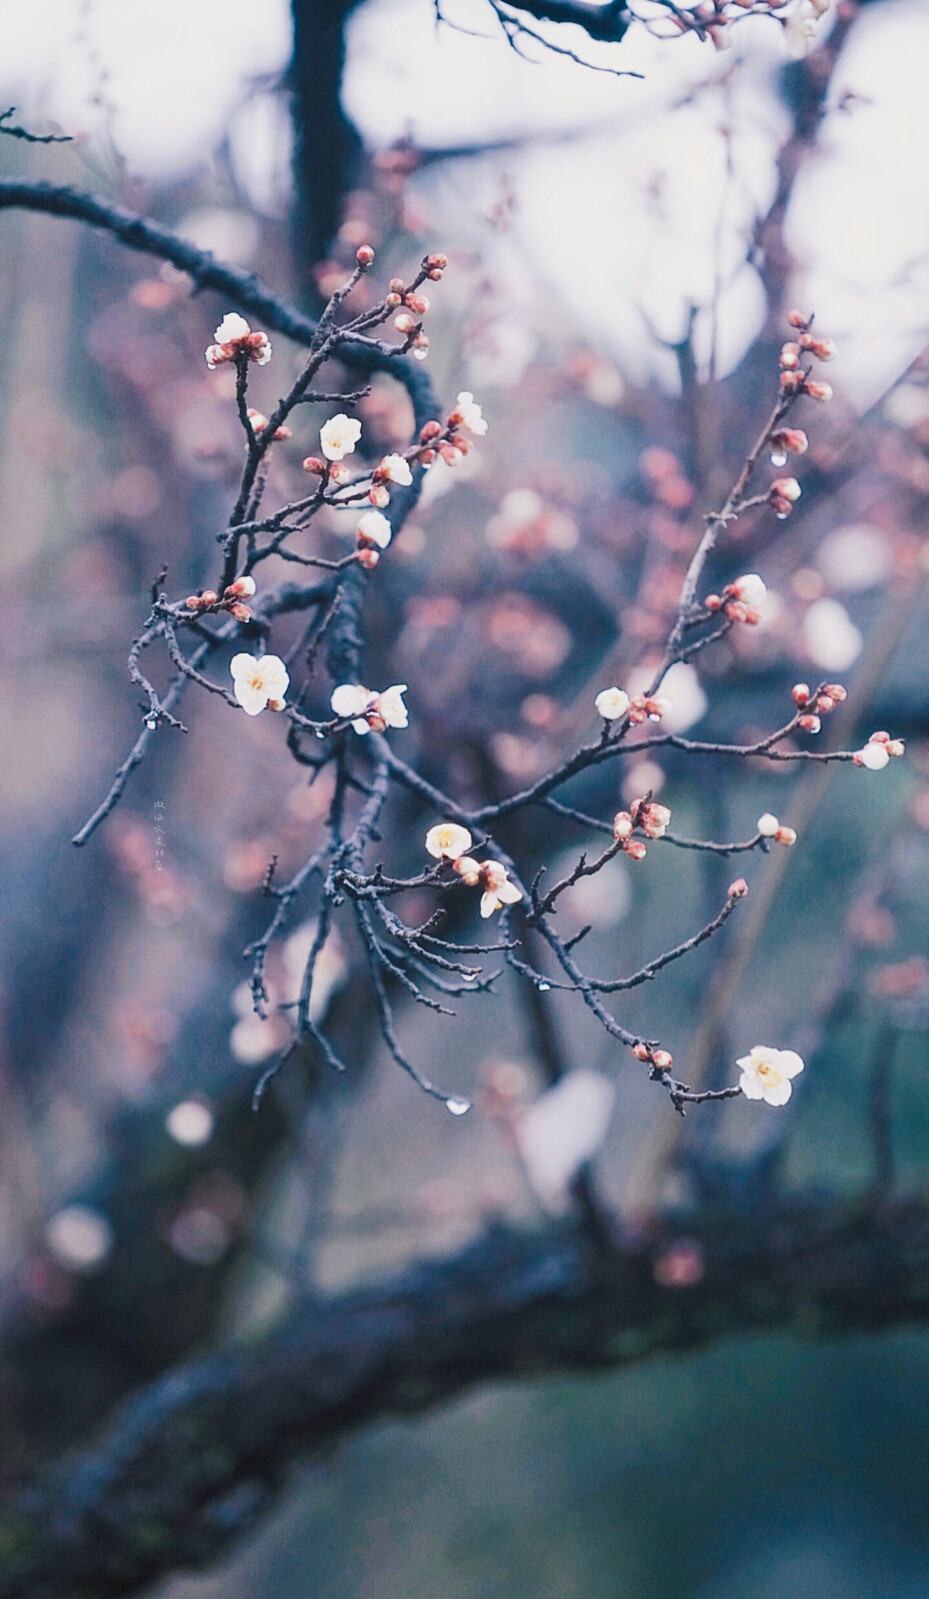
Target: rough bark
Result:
[190, 1464]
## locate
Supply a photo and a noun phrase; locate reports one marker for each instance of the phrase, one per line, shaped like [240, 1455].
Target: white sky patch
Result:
[632, 204]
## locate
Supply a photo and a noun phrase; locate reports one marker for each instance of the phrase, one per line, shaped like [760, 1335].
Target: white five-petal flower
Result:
[339, 436]
[371, 712]
[766, 1073]
[396, 470]
[874, 756]
[233, 337]
[374, 528]
[612, 703]
[448, 841]
[472, 416]
[259, 681]
[498, 890]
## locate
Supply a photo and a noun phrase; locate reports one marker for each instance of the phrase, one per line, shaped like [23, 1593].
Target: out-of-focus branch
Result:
[189, 1466]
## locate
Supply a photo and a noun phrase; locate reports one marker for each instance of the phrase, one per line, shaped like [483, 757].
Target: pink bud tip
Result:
[738, 889]
[364, 255]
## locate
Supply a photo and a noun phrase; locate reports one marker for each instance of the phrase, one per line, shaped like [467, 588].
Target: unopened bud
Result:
[367, 557]
[738, 889]
[819, 391]
[239, 611]
[404, 323]
[786, 488]
[641, 1051]
[418, 303]
[836, 692]
[378, 495]
[312, 463]
[364, 255]
[622, 825]
[823, 349]
[895, 746]
[713, 602]
[796, 319]
[810, 724]
[431, 430]
[825, 703]
[208, 597]
[800, 693]
[437, 263]
[393, 300]
[663, 1059]
[791, 382]
[339, 472]
[635, 849]
[785, 836]
[277, 705]
[242, 589]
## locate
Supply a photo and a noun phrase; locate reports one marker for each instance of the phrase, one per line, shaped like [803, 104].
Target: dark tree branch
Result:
[188, 1467]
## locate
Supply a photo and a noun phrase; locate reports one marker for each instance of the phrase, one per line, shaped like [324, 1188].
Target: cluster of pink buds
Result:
[660, 1059]
[207, 600]
[793, 378]
[648, 818]
[259, 422]
[815, 703]
[878, 751]
[411, 305]
[783, 495]
[648, 708]
[740, 601]
[235, 340]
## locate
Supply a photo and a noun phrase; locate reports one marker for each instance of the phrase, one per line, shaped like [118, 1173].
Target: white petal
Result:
[348, 699]
[274, 676]
[789, 1062]
[489, 903]
[231, 327]
[242, 665]
[252, 700]
[361, 727]
[751, 1087]
[778, 1093]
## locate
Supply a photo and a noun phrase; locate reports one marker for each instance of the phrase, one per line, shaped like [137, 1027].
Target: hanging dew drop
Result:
[544, 987]
[778, 458]
[782, 515]
[151, 724]
[458, 1107]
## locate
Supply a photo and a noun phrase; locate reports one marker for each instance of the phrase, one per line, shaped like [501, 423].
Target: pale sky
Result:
[628, 218]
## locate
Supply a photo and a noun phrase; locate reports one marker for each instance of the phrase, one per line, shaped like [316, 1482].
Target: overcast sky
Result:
[628, 222]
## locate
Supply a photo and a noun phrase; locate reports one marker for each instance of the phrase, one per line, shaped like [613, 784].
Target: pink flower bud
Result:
[404, 323]
[800, 693]
[431, 430]
[397, 286]
[239, 611]
[418, 303]
[823, 349]
[364, 255]
[879, 738]
[786, 488]
[339, 472]
[781, 507]
[378, 495]
[367, 557]
[836, 692]
[791, 382]
[242, 589]
[635, 849]
[819, 391]
[208, 597]
[825, 703]
[895, 746]
[713, 602]
[641, 1051]
[193, 602]
[437, 263]
[738, 889]
[789, 357]
[312, 463]
[785, 836]
[810, 724]
[663, 1059]
[393, 300]
[796, 319]
[622, 825]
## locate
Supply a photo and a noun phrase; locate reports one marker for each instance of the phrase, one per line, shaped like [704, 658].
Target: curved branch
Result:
[188, 1467]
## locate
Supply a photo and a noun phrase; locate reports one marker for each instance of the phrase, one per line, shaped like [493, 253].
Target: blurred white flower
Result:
[856, 557]
[396, 470]
[832, 640]
[472, 417]
[562, 1130]
[375, 528]
[448, 841]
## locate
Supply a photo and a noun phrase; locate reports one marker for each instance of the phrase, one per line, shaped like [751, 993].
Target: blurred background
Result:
[622, 251]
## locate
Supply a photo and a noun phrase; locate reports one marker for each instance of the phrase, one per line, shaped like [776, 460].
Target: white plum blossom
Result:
[339, 436]
[472, 416]
[874, 757]
[448, 841]
[259, 681]
[396, 470]
[235, 337]
[766, 1073]
[498, 890]
[750, 588]
[800, 27]
[612, 703]
[374, 528]
[371, 712]
[767, 825]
